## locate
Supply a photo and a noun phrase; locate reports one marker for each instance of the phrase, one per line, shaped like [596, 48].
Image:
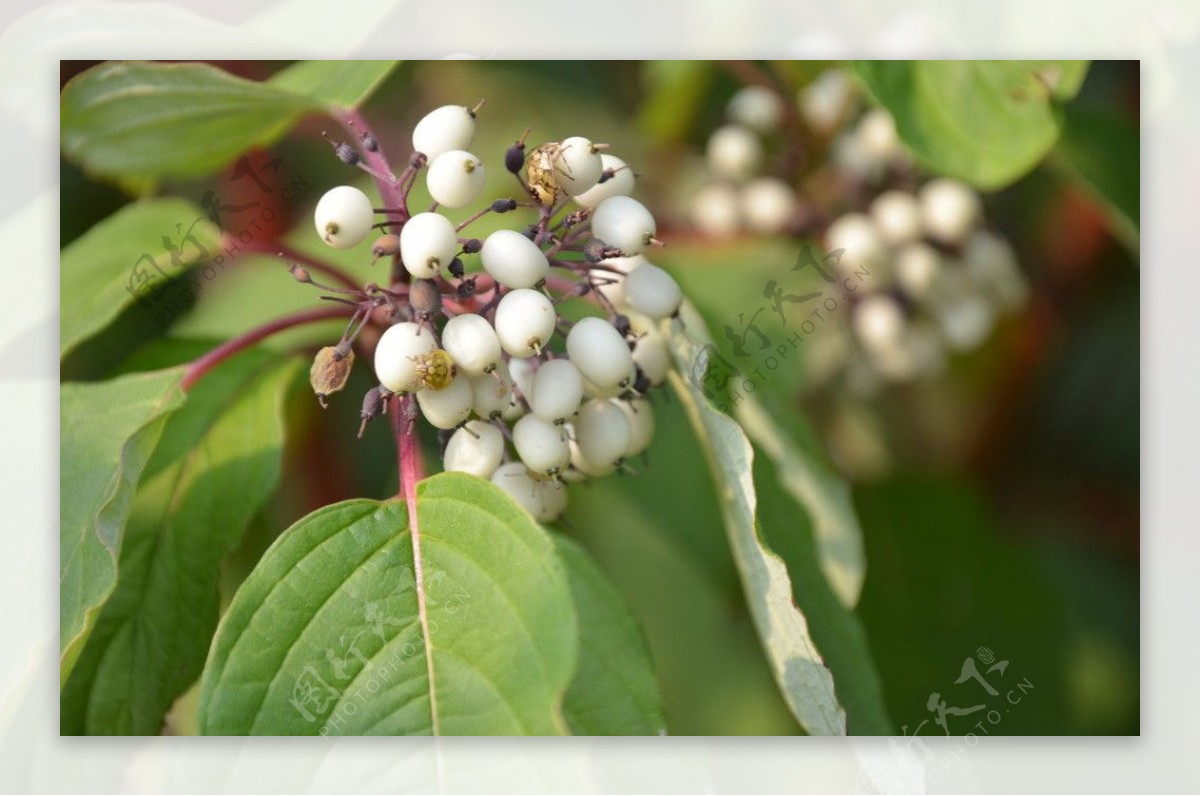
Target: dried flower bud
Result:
[593, 250]
[466, 288]
[472, 245]
[456, 268]
[329, 372]
[504, 205]
[300, 274]
[385, 246]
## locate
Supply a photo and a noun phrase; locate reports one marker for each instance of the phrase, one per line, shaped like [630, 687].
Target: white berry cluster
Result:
[739, 196]
[937, 278]
[524, 397]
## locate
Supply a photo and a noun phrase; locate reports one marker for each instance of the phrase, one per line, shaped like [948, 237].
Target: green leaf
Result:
[101, 272]
[1102, 151]
[986, 122]
[108, 431]
[824, 495]
[799, 669]
[328, 636]
[337, 84]
[836, 629]
[614, 691]
[129, 118]
[217, 462]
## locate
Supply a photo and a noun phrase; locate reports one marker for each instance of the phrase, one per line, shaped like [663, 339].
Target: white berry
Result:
[625, 223]
[514, 478]
[612, 282]
[768, 205]
[992, 264]
[651, 290]
[397, 355]
[950, 209]
[455, 178]
[734, 152]
[522, 371]
[650, 353]
[476, 448]
[823, 102]
[344, 216]
[603, 434]
[427, 244]
[621, 182]
[600, 353]
[556, 392]
[862, 245]
[441, 130]
[640, 414]
[525, 321]
[493, 392]
[578, 165]
[542, 446]
[513, 260]
[877, 135]
[897, 216]
[966, 321]
[472, 343]
[717, 210]
[449, 406]
[757, 107]
[552, 499]
[917, 267]
[878, 321]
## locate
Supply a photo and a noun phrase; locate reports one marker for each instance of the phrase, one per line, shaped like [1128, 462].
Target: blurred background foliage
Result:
[999, 502]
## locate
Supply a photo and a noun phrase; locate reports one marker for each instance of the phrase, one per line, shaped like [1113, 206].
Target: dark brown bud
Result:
[374, 404]
[472, 245]
[504, 205]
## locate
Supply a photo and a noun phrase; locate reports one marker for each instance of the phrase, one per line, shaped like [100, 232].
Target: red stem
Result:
[407, 451]
[199, 367]
[394, 194]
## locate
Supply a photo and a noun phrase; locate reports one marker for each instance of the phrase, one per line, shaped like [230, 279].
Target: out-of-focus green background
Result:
[1005, 514]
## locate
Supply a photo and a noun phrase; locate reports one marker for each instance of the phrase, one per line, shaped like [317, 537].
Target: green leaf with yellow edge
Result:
[800, 671]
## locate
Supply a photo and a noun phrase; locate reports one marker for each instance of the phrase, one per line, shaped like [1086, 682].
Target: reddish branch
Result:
[200, 367]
